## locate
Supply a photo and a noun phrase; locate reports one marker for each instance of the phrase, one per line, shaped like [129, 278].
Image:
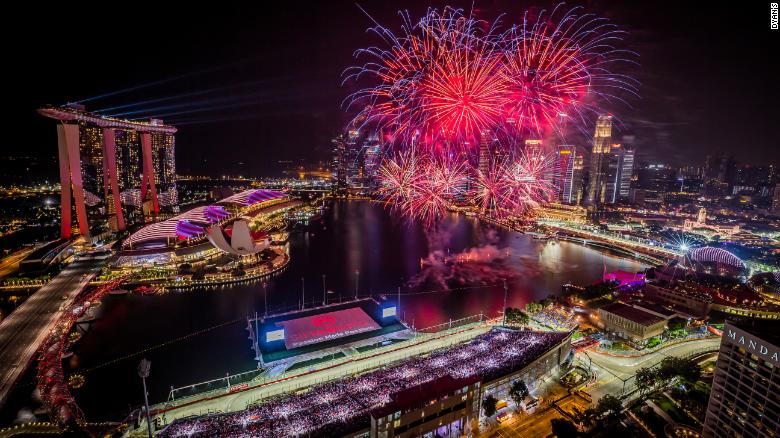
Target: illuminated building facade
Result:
[567, 178]
[626, 169]
[484, 152]
[620, 168]
[599, 161]
[339, 165]
[745, 396]
[118, 171]
[776, 201]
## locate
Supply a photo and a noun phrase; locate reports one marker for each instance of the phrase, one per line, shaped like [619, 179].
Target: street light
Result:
[143, 373]
[506, 292]
[357, 279]
[324, 290]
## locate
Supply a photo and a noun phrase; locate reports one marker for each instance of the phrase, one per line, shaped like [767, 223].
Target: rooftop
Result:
[633, 314]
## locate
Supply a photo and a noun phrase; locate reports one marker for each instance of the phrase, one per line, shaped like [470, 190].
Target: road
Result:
[10, 263]
[612, 371]
[23, 331]
[538, 423]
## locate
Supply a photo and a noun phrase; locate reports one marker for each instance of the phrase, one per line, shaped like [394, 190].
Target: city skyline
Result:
[262, 93]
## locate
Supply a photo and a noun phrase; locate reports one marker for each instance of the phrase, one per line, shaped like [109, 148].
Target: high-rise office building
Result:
[599, 160]
[627, 157]
[745, 396]
[118, 171]
[776, 201]
[567, 180]
[611, 180]
[339, 164]
[484, 152]
[372, 157]
[577, 179]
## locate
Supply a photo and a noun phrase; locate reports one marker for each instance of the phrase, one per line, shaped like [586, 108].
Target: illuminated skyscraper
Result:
[484, 152]
[745, 395]
[565, 174]
[372, 156]
[599, 160]
[626, 168]
[776, 201]
[339, 165]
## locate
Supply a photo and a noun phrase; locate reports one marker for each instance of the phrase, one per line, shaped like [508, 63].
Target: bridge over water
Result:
[25, 329]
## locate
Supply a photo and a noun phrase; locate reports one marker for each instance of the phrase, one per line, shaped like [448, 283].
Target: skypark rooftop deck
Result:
[73, 114]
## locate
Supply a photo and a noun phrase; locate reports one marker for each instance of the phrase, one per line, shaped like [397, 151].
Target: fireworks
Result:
[420, 186]
[450, 76]
[438, 82]
[424, 186]
[446, 80]
[557, 67]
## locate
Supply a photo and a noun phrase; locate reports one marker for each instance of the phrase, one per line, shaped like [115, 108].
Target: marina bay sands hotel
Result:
[114, 172]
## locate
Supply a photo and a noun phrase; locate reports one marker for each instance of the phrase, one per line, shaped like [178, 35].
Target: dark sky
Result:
[708, 81]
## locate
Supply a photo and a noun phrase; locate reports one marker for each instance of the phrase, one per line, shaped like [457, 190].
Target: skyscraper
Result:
[776, 201]
[745, 396]
[484, 152]
[339, 164]
[599, 160]
[577, 179]
[611, 181]
[626, 168]
[565, 177]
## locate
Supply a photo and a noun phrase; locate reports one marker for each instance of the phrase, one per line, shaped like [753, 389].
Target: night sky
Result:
[708, 81]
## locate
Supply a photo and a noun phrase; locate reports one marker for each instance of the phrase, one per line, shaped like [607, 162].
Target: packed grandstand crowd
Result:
[342, 406]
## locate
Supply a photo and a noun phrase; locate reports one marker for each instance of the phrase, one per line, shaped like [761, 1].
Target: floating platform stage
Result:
[306, 337]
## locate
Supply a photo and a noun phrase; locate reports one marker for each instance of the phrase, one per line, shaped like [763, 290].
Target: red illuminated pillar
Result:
[70, 163]
[148, 172]
[111, 183]
[65, 207]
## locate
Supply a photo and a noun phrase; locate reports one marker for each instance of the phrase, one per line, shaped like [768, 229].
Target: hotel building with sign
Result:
[745, 397]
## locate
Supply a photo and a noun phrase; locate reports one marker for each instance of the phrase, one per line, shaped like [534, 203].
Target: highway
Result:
[23, 331]
[10, 263]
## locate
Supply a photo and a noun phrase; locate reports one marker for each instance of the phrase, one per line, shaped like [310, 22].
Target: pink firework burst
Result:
[515, 187]
[557, 67]
[438, 81]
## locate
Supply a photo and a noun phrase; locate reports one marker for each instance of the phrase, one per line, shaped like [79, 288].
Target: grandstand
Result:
[396, 400]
